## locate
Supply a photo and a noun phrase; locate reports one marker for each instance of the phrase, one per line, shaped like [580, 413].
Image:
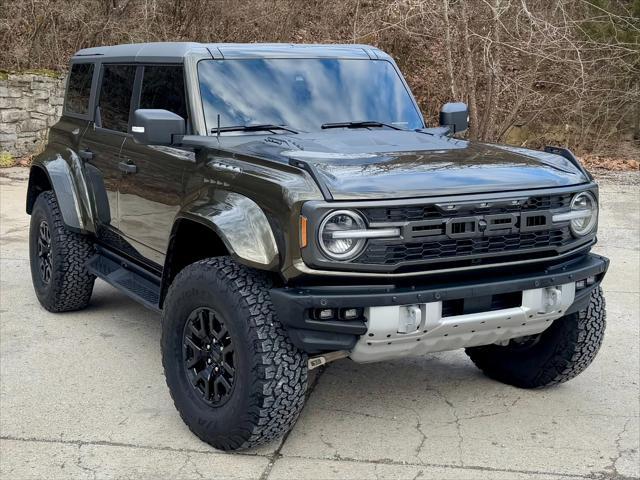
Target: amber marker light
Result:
[303, 231]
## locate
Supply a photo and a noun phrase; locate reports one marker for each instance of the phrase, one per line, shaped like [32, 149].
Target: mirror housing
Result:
[455, 116]
[156, 127]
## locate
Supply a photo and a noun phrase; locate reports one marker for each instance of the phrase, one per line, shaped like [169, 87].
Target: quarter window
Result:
[163, 88]
[79, 88]
[115, 96]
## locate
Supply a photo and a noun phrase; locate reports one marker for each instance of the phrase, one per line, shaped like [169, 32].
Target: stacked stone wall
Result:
[29, 104]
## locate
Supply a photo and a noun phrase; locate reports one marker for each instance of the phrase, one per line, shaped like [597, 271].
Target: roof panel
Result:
[166, 52]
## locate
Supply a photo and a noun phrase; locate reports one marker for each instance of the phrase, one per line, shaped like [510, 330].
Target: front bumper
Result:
[294, 305]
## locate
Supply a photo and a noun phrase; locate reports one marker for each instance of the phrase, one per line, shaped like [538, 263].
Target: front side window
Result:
[304, 93]
[79, 88]
[163, 88]
[115, 96]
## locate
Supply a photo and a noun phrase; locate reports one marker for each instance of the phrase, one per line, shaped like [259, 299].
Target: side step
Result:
[134, 281]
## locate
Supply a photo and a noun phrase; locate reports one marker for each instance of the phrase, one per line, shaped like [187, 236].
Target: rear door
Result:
[150, 196]
[102, 143]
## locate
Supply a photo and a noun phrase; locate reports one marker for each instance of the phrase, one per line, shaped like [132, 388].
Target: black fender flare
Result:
[69, 181]
[241, 224]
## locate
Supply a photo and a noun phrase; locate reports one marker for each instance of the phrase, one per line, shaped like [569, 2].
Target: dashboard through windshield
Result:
[304, 94]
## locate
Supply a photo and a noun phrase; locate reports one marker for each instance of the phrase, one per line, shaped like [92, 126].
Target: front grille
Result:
[415, 213]
[443, 248]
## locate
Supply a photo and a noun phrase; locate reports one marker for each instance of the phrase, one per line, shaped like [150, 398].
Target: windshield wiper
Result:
[253, 128]
[364, 124]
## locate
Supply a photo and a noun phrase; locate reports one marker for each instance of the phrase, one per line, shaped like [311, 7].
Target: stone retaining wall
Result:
[29, 104]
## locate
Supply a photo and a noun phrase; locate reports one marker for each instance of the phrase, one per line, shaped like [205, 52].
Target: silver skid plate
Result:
[403, 330]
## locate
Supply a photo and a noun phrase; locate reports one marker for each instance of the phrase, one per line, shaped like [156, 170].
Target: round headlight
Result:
[585, 207]
[334, 237]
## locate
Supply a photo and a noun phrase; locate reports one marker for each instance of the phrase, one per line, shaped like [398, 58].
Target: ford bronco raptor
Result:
[283, 206]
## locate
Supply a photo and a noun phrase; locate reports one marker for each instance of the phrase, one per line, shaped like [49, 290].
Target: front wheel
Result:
[558, 354]
[234, 376]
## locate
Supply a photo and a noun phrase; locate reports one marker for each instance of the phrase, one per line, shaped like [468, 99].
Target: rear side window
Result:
[79, 88]
[163, 88]
[115, 96]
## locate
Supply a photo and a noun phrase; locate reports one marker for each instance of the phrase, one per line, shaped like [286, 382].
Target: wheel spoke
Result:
[208, 356]
[226, 350]
[223, 381]
[223, 333]
[229, 369]
[207, 377]
[198, 332]
[197, 353]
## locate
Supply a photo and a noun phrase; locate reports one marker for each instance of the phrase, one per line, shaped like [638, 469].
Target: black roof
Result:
[174, 52]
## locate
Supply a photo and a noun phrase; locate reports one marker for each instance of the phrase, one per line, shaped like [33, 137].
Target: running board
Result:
[129, 278]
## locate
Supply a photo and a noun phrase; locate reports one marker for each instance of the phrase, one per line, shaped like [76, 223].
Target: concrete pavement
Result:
[82, 395]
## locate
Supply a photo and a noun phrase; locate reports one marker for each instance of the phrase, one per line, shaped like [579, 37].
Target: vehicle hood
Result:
[367, 164]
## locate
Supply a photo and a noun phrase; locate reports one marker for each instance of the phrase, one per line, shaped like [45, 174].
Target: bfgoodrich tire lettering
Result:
[560, 353]
[270, 373]
[67, 285]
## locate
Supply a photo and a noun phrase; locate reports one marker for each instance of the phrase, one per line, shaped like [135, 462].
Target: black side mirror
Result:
[156, 127]
[455, 116]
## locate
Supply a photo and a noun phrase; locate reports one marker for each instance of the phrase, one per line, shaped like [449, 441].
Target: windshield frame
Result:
[195, 76]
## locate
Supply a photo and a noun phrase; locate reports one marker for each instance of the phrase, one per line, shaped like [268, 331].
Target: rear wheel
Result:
[58, 259]
[558, 354]
[234, 376]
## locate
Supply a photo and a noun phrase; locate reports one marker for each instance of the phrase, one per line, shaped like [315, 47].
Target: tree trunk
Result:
[470, 76]
[449, 46]
[491, 99]
[636, 128]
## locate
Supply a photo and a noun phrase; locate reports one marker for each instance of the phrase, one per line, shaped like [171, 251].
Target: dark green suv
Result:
[284, 206]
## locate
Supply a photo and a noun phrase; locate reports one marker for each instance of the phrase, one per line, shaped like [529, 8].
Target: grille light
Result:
[344, 233]
[341, 221]
[583, 215]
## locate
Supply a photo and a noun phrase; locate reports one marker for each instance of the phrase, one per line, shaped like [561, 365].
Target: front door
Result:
[150, 194]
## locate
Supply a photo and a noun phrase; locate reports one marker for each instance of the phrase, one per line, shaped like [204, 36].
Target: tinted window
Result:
[79, 88]
[304, 93]
[115, 96]
[163, 88]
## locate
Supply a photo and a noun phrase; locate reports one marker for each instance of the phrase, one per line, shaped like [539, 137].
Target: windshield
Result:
[304, 94]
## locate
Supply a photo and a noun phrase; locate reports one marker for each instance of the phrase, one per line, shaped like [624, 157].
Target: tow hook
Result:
[315, 362]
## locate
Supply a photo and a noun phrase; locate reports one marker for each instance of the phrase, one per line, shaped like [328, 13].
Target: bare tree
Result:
[532, 71]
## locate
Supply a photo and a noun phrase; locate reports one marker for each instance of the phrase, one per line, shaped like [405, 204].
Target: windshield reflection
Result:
[304, 93]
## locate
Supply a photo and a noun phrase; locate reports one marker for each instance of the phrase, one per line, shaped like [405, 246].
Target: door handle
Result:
[86, 154]
[127, 167]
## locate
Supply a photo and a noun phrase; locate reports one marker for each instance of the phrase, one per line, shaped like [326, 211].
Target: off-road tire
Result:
[70, 284]
[270, 372]
[562, 351]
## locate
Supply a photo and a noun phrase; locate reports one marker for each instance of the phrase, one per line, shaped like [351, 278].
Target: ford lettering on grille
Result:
[478, 225]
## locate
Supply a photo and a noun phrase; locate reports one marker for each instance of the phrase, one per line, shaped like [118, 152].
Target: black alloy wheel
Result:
[208, 356]
[44, 252]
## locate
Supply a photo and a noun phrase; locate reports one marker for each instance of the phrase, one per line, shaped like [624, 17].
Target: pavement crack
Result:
[619, 452]
[418, 475]
[359, 414]
[422, 441]
[102, 443]
[389, 461]
[81, 466]
[457, 420]
[330, 445]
